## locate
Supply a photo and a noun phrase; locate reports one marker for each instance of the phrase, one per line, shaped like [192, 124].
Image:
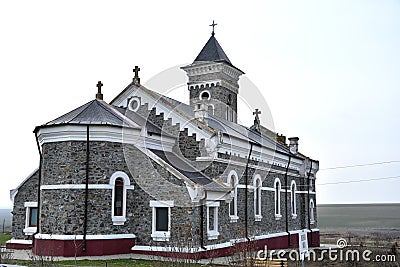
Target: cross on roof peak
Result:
[136, 79]
[99, 95]
[213, 25]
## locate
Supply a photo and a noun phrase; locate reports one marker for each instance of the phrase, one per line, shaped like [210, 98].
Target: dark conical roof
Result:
[95, 112]
[212, 51]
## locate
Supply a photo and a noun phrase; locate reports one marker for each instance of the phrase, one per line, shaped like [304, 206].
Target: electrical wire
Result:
[360, 165]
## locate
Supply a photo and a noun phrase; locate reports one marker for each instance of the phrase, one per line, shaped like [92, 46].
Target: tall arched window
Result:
[312, 220]
[293, 199]
[119, 197]
[232, 181]
[257, 197]
[277, 187]
[119, 182]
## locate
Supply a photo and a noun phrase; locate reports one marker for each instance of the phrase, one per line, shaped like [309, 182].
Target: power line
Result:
[360, 165]
[359, 181]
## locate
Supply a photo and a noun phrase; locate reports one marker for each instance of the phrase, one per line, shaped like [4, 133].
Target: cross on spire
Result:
[213, 25]
[136, 79]
[99, 95]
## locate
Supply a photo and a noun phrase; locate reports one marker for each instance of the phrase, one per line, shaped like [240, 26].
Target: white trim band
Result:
[80, 186]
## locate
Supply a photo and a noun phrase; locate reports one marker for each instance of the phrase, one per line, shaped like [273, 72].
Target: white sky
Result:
[329, 71]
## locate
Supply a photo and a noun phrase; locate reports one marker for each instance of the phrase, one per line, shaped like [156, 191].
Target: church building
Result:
[148, 174]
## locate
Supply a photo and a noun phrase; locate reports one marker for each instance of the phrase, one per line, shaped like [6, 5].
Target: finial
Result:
[99, 95]
[136, 79]
[213, 25]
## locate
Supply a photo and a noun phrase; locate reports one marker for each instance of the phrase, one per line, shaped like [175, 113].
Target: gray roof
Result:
[188, 170]
[212, 51]
[95, 112]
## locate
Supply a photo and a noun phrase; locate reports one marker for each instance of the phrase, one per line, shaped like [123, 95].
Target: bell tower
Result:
[213, 81]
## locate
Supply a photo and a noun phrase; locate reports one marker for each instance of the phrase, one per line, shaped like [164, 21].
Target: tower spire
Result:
[213, 25]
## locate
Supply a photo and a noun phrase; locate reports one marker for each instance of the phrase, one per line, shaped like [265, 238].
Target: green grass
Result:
[359, 216]
[4, 238]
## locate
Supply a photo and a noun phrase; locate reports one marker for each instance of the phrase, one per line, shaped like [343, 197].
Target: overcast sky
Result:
[329, 71]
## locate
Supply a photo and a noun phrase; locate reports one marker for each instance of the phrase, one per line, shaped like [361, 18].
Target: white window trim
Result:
[119, 220]
[277, 199]
[234, 217]
[312, 219]
[205, 91]
[293, 202]
[29, 230]
[258, 216]
[161, 235]
[212, 235]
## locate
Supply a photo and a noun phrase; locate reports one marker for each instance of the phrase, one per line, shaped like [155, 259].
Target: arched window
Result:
[119, 182]
[277, 187]
[312, 211]
[257, 197]
[293, 199]
[211, 109]
[119, 197]
[232, 181]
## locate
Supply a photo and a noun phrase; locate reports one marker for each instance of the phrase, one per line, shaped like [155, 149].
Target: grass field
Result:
[359, 216]
[4, 238]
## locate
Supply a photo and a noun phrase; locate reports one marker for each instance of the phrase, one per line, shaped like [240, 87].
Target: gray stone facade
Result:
[27, 192]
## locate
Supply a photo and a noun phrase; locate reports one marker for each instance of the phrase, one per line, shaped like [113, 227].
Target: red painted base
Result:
[71, 248]
[18, 246]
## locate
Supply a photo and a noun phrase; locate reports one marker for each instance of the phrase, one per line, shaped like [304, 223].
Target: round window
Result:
[134, 104]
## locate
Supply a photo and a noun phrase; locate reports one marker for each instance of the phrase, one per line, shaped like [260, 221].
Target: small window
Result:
[119, 196]
[162, 219]
[293, 199]
[277, 187]
[229, 100]
[211, 109]
[312, 220]
[212, 220]
[205, 95]
[33, 212]
[119, 183]
[134, 104]
[161, 222]
[257, 197]
[31, 216]
[232, 181]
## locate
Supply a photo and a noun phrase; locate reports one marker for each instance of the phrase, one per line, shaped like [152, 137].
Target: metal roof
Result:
[95, 112]
[187, 169]
[212, 51]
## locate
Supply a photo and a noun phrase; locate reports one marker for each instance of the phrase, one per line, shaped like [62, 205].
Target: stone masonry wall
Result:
[63, 209]
[27, 192]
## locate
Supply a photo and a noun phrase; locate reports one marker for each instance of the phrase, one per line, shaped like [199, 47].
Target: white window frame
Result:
[212, 234]
[257, 179]
[119, 220]
[234, 217]
[293, 203]
[278, 214]
[28, 206]
[161, 235]
[312, 207]
[205, 91]
[212, 108]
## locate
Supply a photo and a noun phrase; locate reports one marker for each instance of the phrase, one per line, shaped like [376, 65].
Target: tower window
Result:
[205, 95]
[229, 100]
